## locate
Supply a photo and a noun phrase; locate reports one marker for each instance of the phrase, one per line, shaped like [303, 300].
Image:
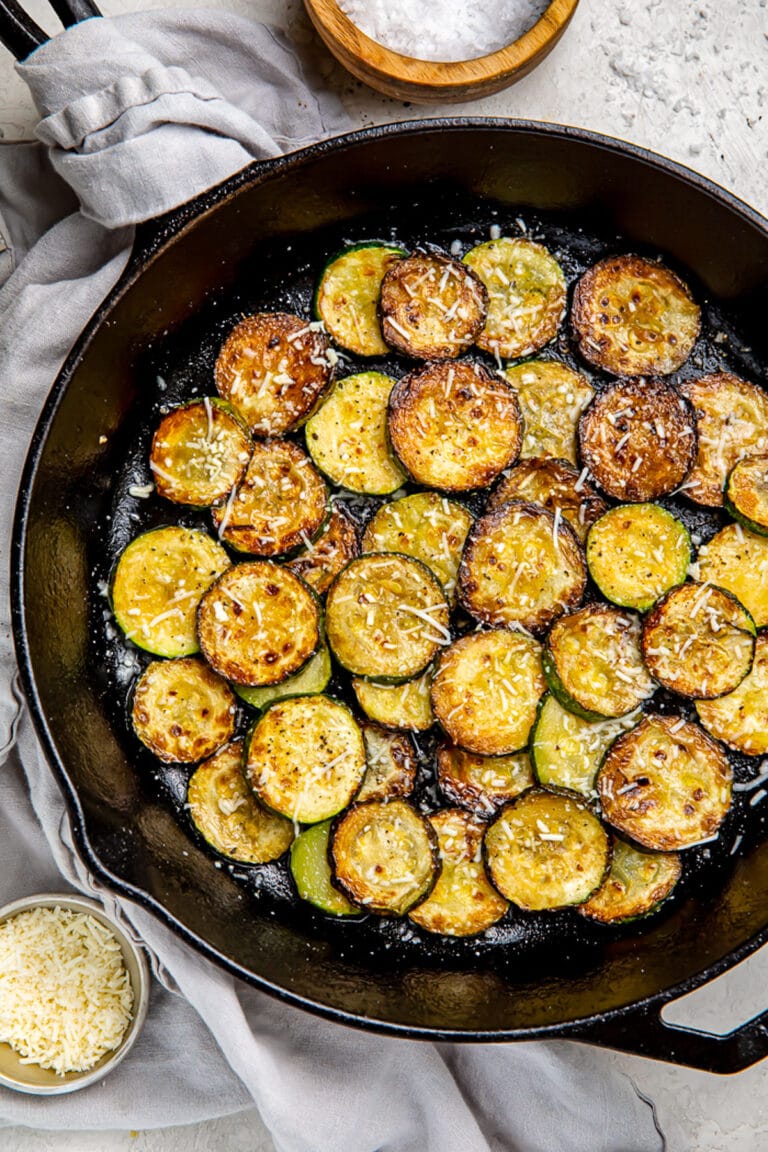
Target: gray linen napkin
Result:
[128, 132]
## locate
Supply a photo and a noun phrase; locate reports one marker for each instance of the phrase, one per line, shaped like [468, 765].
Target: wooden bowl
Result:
[407, 78]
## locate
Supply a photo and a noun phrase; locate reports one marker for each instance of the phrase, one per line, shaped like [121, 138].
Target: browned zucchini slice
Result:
[740, 719]
[526, 295]
[746, 494]
[547, 850]
[636, 885]
[732, 422]
[273, 368]
[391, 767]
[463, 902]
[424, 525]
[386, 617]
[699, 641]
[407, 705]
[552, 484]
[432, 307]
[385, 856]
[313, 677]
[638, 439]
[227, 815]
[199, 452]
[665, 784]
[486, 689]
[157, 586]
[521, 565]
[636, 553]
[454, 426]
[634, 317]
[305, 758]
[482, 783]
[182, 711]
[552, 398]
[593, 663]
[566, 750]
[321, 561]
[280, 504]
[311, 871]
[737, 560]
[258, 624]
[347, 297]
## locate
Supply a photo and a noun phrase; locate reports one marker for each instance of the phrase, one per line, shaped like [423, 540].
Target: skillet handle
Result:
[21, 35]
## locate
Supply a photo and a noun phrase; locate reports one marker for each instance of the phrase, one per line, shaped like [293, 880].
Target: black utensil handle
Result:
[73, 11]
[21, 35]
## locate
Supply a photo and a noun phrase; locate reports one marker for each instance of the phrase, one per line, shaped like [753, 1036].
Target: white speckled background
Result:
[688, 78]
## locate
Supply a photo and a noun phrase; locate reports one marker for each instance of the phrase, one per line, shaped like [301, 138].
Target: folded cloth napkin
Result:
[138, 114]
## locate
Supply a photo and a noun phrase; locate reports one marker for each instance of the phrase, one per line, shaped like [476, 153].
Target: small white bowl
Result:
[43, 1081]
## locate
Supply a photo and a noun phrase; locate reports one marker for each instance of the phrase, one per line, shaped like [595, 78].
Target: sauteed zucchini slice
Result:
[431, 307]
[311, 871]
[481, 783]
[157, 586]
[227, 815]
[199, 452]
[552, 398]
[182, 711]
[740, 719]
[280, 504]
[638, 439]
[665, 784]
[566, 750]
[463, 902]
[737, 560]
[347, 297]
[321, 561]
[699, 641]
[273, 368]
[634, 317]
[311, 680]
[637, 885]
[552, 484]
[732, 422]
[593, 663]
[424, 525]
[746, 494]
[258, 624]
[486, 689]
[305, 758]
[347, 438]
[636, 553]
[521, 566]
[547, 850]
[407, 705]
[385, 856]
[454, 426]
[526, 295]
[386, 617]
[391, 767]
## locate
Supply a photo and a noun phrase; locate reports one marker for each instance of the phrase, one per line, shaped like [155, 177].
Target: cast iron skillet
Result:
[606, 988]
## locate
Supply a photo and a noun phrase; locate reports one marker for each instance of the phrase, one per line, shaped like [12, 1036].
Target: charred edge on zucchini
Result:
[406, 706]
[636, 553]
[311, 872]
[737, 560]
[347, 297]
[636, 886]
[746, 494]
[566, 750]
[311, 680]
[391, 767]
[740, 719]
[320, 562]
[481, 783]
[199, 453]
[732, 422]
[552, 484]
[182, 711]
[552, 398]
[432, 307]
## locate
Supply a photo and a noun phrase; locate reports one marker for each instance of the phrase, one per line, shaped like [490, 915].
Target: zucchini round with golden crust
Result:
[636, 885]
[665, 784]
[634, 317]
[746, 494]
[320, 562]
[407, 706]
[486, 690]
[740, 719]
[593, 663]
[638, 439]
[482, 783]
[454, 426]
[731, 422]
[258, 624]
[312, 678]
[431, 307]
[737, 560]
[347, 297]
[273, 368]
[521, 566]
[636, 553]
[526, 295]
[552, 398]
[311, 871]
[182, 711]
[157, 586]
[547, 850]
[566, 750]
[279, 505]
[305, 758]
[463, 902]
[552, 484]
[386, 617]
[227, 815]
[391, 767]
[199, 453]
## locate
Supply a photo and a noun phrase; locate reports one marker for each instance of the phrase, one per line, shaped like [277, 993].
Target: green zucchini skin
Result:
[567, 749]
[736, 560]
[746, 494]
[636, 886]
[406, 706]
[636, 553]
[310, 680]
[355, 272]
[311, 872]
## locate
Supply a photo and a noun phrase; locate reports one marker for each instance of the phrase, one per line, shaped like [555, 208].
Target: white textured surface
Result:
[688, 78]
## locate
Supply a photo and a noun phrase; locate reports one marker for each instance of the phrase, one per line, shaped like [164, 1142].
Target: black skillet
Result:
[260, 238]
